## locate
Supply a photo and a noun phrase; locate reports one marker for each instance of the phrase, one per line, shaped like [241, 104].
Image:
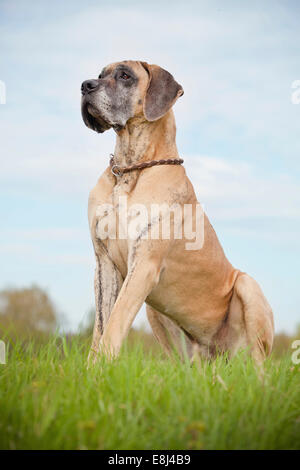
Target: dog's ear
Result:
[161, 94]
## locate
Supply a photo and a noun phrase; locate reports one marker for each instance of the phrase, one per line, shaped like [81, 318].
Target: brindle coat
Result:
[196, 293]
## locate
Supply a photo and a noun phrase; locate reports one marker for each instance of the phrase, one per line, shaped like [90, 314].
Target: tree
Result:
[27, 311]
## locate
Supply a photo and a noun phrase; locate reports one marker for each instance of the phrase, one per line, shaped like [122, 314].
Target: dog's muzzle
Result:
[88, 86]
[92, 115]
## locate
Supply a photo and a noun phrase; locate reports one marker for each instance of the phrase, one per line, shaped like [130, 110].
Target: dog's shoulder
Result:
[103, 187]
[101, 192]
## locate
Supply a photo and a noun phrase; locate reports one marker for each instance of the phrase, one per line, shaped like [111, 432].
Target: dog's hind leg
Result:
[250, 320]
[169, 335]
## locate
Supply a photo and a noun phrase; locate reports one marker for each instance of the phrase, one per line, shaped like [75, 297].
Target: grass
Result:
[49, 400]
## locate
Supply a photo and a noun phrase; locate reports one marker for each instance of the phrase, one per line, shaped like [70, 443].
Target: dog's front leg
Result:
[107, 285]
[139, 282]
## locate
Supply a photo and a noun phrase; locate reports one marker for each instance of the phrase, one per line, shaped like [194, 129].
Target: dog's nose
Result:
[88, 86]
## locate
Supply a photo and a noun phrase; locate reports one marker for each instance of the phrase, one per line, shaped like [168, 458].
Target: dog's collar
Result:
[119, 171]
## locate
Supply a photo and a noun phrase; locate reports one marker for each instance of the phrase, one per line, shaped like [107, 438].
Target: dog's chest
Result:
[118, 223]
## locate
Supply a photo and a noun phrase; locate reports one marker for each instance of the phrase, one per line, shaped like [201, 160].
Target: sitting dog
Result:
[191, 291]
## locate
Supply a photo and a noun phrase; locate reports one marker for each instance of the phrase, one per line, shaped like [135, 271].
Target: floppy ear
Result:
[161, 94]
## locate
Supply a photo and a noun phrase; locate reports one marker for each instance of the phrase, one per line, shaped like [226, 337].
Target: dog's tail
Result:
[258, 316]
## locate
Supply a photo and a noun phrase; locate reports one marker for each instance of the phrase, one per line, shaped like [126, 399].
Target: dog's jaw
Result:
[92, 117]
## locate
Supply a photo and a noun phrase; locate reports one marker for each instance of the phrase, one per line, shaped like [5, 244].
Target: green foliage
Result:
[26, 312]
[49, 400]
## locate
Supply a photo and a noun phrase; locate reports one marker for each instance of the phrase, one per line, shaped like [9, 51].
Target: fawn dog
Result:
[192, 293]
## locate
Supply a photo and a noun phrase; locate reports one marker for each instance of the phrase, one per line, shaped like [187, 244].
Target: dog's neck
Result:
[141, 140]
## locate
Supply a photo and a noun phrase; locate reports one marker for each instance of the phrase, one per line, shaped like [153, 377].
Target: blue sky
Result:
[238, 132]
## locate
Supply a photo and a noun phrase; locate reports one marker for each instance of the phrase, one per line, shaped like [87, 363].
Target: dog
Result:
[195, 294]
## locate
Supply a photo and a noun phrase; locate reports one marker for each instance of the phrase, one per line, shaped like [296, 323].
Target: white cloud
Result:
[53, 234]
[234, 190]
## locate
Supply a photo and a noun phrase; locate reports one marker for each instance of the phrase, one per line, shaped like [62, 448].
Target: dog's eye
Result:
[124, 76]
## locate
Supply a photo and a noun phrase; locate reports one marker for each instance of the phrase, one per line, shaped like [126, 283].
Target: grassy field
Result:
[49, 400]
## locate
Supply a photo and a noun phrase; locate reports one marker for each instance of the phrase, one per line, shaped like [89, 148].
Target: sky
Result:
[237, 130]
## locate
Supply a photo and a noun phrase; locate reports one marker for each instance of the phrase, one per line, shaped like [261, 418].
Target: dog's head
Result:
[125, 90]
